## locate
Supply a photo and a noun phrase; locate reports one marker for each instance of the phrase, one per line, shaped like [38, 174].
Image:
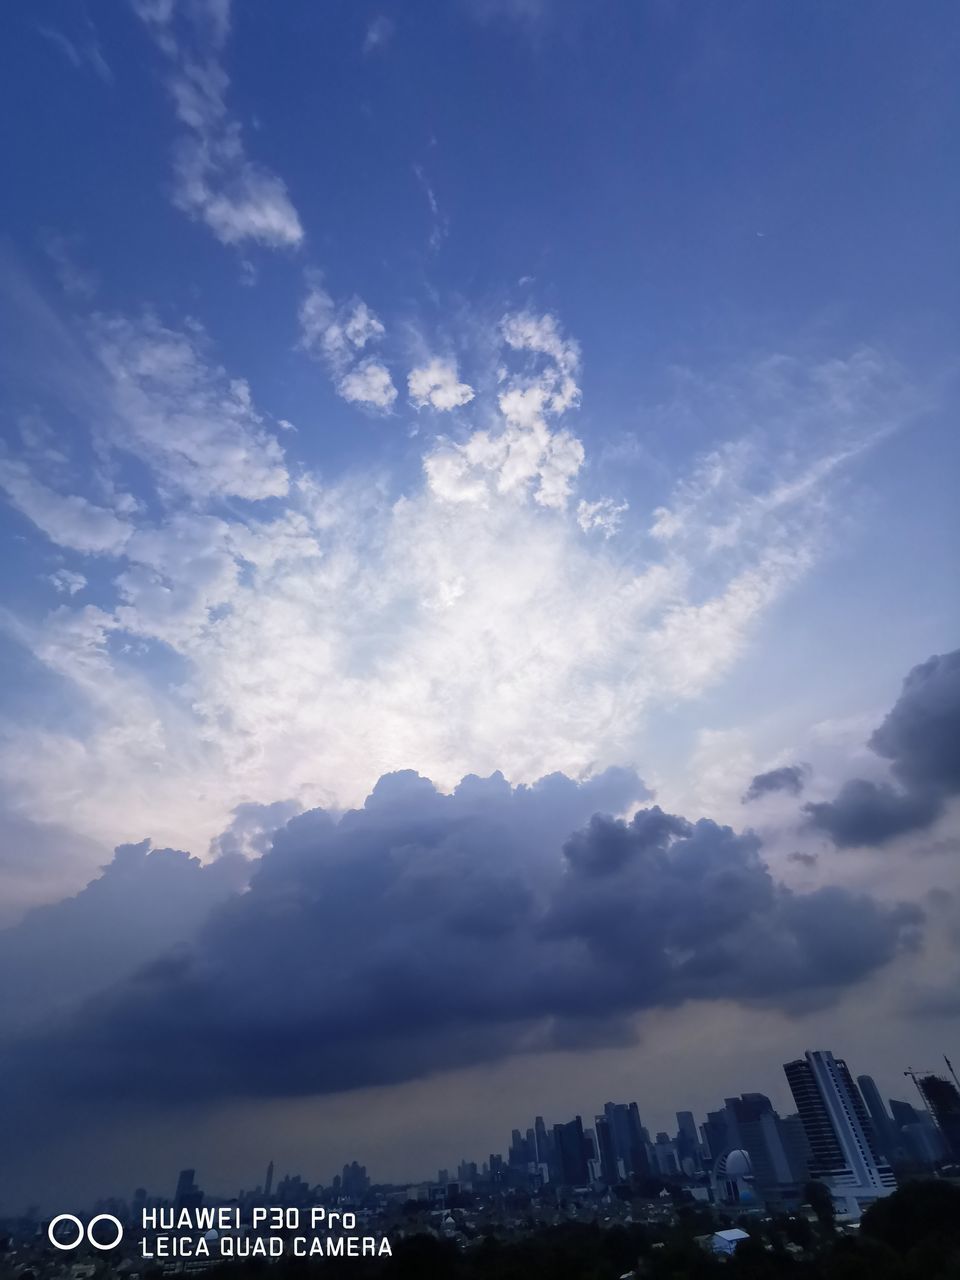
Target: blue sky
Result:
[499, 384]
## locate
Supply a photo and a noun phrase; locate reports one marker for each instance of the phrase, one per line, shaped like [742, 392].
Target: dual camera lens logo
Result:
[83, 1232]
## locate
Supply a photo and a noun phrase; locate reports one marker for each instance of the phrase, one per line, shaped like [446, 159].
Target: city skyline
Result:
[479, 611]
[353, 1180]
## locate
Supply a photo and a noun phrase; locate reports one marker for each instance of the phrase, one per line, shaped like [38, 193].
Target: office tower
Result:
[688, 1140]
[795, 1144]
[268, 1182]
[629, 1135]
[943, 1102]
[571, 1153]
[609, 1165]
[716, 1135]
[544, 1147]
[842, 1143]
[903, 1113]
[187, 1195]
[756, 1128]
[883, 1126]
[517, 1157]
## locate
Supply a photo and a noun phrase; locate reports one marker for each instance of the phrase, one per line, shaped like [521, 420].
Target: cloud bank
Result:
[424, 931]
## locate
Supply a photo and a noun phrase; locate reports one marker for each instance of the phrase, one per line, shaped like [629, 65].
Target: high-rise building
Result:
[883, 1126]
[629, 1135]
[609, 1164]
[843, 1147]
[756, 1129]
[187, 1195]
[571, 1151]
[716, 1135]
[268, 1182]
[943, 1102]
[688, 1141]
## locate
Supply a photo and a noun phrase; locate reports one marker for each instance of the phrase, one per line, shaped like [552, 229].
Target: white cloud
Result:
[216, 182]
[526, 454]
[368, 383]
[337, 335]
[437, 383]
[69, 520]
[68, 582]
[345, 631]
[604, 515]
[196, 425]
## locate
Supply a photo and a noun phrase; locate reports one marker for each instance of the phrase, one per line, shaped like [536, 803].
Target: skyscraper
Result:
[268, 1182]
[571, 1150]
[842, 1142]
[943, 1102]
[883, 1126]
[756, 1128]
[609, 1165]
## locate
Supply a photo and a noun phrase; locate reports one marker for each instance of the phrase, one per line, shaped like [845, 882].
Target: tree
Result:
[818, 1196]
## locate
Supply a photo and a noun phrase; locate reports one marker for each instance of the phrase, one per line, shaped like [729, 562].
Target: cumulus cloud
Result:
[604, 515]
[67, 581]
[488, 930]
[216, 182]
[338, 335]
[369, 383]
[790, 778]
[921, 739]
[144, 903]
[526, 454]
[438, 384]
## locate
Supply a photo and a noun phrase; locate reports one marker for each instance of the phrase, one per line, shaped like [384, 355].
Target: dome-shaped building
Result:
[733, 1178]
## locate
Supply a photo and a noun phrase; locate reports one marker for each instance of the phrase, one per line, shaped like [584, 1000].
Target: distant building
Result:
[843, 1147]
[754, 1126]
[610, 1169]
[187, 1195]
[943, 1101]
[883, 1126]
[571, 1149]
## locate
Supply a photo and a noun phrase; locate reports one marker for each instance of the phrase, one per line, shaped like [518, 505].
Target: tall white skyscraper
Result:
[844, 1152]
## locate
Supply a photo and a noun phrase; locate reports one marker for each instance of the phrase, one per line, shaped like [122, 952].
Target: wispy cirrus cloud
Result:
[215, 181]
[264, 633]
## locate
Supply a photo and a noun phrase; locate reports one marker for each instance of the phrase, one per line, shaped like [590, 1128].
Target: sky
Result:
[479, 612]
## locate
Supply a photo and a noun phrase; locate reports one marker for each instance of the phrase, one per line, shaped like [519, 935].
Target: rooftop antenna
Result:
[951, 1070]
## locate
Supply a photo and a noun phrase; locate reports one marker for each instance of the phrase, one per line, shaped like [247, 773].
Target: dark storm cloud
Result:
[144, 902]
[790, 778]
[921, 739]
[425, 931]
[870, 813]
[921, 735]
